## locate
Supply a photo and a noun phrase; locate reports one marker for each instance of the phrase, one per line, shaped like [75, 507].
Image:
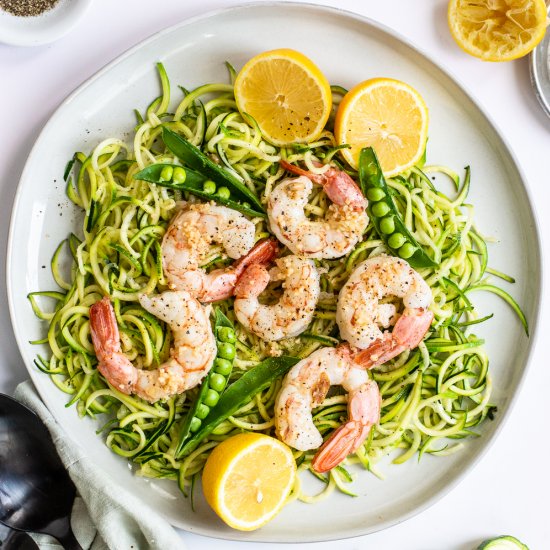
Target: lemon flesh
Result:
[247, 479]
[388, 115]
[497, 30]
[286, 94]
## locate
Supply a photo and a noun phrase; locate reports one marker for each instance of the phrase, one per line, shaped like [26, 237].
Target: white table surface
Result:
[506, 492]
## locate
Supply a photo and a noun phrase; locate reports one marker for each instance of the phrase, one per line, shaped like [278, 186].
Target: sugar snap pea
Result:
[237, 394]
[386, 218]
[214, 382]
[186, 179]
[194, 158]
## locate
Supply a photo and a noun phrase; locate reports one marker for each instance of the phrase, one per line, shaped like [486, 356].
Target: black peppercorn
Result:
[27, 8]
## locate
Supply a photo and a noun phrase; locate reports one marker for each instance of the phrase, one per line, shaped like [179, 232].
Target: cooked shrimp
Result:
[305, 387]
[360, 313]
[187, 244]
[332, 237]
[292, 313]
[191, 356]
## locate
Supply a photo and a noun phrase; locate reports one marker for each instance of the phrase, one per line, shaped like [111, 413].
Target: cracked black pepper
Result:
[27, 8]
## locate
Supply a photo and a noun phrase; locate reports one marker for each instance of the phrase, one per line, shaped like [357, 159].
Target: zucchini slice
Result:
[504, 542]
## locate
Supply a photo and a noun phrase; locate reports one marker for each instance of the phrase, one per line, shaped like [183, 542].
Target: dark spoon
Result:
[36, 493]
[15, 540]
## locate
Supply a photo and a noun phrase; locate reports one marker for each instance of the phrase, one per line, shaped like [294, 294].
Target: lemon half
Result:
[497, 30]
[388, 115]
[286, 94]
[248, 478]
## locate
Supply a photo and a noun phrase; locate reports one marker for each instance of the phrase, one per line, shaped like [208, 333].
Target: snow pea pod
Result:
[194, 158]
[215, 381]
[386, 218]
[186, 179]
[237, 394]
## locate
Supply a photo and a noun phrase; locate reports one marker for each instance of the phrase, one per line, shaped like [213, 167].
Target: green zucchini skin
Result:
[504, 542]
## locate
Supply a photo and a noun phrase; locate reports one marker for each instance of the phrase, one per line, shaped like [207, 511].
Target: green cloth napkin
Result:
[103, 517]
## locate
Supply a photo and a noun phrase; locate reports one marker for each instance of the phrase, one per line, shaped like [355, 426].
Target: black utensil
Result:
[36, 493]
[10, 539]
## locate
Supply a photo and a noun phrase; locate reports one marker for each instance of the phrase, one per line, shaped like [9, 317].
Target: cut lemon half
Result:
[387, 115]
[247, 479]
[286, 94]
[497, 30]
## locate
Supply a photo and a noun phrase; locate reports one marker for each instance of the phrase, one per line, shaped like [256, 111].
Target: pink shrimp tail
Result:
[339, 186]
[252, 282]
[408, 332]
[221, 282]
[412, 326]
[104, 329]
[364, 412]
[113, 365]
[263, 252]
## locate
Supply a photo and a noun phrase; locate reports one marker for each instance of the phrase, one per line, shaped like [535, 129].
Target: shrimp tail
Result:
[408, 332]
[339, 186]
[104, 328]
[412, 326]
[220, 283]
[252, 275]
[364, 411]
[263, 252]
[113, 365]
[252, 282]
[319, 179]
[344, 440]
[379, 352]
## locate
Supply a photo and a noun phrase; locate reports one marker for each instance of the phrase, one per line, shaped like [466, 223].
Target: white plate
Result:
[194, 53]
[44, 28]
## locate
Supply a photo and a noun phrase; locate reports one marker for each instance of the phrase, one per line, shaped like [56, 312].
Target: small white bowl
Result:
[44, 28]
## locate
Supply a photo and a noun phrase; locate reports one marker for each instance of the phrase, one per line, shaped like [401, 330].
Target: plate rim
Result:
[364, 20]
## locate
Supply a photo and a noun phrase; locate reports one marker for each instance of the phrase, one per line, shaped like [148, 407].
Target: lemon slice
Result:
[497, 30]
[247, 479]
[286, 94]
[387, 115]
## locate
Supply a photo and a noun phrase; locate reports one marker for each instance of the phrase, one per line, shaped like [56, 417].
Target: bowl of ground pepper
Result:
[36, 22]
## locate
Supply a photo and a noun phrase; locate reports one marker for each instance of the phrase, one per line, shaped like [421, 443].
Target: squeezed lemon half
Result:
[497, 30]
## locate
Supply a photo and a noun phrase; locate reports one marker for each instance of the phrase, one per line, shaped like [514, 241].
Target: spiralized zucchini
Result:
[432, 396]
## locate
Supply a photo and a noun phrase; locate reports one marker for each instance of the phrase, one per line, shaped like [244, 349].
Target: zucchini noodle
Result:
[432, 396]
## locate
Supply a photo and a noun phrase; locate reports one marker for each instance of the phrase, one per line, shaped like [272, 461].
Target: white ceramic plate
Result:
[460, 134]
[42, 29]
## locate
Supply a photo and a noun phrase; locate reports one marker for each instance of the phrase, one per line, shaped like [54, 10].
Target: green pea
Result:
[209, 187]
[226, 350]
[387, 225]
[406, 251]
[217, 382]
[224, 193]
[212, 397]
[397, 240]
[195, 424]
[380, 209]
[166, 173]
[202, 411]
[375, 194]
[227, 334]
[179, 175]
[223, 366]
[246, 205]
